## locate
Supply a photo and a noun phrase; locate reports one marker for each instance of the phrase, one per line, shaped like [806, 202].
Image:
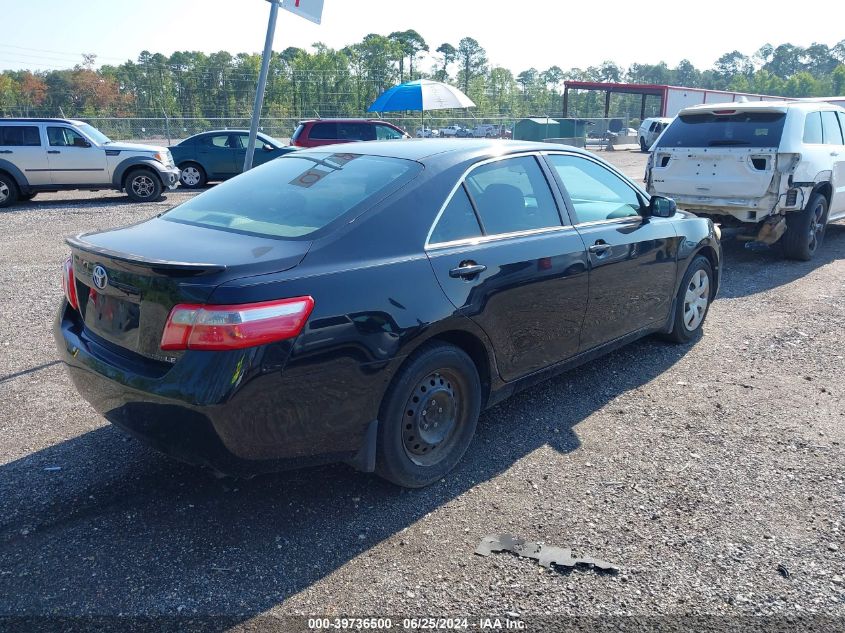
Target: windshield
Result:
[295, 195]
[266, 140]
[741, 129]
[94, 134]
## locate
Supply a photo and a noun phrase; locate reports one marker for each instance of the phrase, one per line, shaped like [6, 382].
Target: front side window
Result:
[20, 136]
[65, 137]
[458, 221]
[512, 195]
[830, 127]
[386, 133]
[597, 193]
[294, 195]
[813, 128]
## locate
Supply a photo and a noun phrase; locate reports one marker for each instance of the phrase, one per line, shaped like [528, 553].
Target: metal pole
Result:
[262, 84]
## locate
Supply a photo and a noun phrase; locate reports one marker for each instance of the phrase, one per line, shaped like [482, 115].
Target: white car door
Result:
[23, 146]
[833, 125]
[74, 160]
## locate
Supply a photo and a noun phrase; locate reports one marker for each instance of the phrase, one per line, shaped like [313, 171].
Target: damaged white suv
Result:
[774, 170]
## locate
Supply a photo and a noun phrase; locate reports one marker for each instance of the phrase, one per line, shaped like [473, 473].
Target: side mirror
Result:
[268, 147]
[660, 207]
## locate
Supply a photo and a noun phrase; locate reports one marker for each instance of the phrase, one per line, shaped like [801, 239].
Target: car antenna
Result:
[319, 118]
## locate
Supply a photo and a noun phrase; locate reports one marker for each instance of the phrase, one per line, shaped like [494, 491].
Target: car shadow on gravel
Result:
[47, 204]
[100, 524]
[748, 272]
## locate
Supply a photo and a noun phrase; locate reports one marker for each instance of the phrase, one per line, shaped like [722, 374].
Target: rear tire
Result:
[643, 147]
[692, 301]
[142, 185]
[428, 416]
[192, 176]
[8, 190]
[805, 229]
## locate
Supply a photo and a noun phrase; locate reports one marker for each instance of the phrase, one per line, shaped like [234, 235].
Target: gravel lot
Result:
[698, 470]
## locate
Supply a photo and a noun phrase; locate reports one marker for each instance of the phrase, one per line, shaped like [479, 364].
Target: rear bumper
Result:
[235, 412]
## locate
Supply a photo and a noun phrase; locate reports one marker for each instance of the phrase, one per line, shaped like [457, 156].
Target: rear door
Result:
[632, 260]
[721, 154]
[835, 146]
[217, 154]
[74, 160]
[505, 259]
[23, 147]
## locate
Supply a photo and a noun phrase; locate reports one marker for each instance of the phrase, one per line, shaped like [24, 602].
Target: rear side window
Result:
[741, 129]
[19, 136]
[356, 132]
[813, 128]
[458, 221]
[296, 133]
[512, 195]
[296, 194]
[324, 132]
[830, 127]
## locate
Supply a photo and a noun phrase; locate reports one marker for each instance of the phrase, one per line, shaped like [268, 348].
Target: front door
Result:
[74, 160]
[217, 153]
[505, 259]
[632, 259]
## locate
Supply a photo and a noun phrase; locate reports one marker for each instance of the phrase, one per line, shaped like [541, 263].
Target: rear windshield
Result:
[295, 195]
[743, 129]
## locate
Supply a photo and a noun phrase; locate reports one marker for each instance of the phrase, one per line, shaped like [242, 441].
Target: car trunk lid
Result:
[721, 172]
[128, 280]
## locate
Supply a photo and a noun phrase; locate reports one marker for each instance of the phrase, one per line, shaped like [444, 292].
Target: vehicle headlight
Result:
[718, 231]
[160, 157]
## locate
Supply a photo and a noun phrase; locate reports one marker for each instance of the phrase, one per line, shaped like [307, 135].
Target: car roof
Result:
[761, 106]
[42, 120]
[421, 149]
[345, 120]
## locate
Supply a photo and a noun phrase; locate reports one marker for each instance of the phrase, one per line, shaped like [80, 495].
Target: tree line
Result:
[329, 82]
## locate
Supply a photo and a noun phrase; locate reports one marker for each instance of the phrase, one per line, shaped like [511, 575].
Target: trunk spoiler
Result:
[78, 242]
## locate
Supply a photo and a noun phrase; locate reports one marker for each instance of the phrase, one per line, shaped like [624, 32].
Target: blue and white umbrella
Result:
[422, 94]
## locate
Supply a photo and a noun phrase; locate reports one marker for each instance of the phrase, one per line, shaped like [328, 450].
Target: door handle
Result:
[467, 270]
[6, 151]
[53, 151]
[600, 248]
[834, 153]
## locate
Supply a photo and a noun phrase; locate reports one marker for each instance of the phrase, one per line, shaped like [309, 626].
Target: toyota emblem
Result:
[100, 277]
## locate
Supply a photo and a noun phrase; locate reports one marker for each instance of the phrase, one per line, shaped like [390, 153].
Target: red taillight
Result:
[205, 327]
[724, 111]
[69, 284]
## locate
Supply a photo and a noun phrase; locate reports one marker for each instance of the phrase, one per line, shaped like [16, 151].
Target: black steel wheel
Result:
[428, 416]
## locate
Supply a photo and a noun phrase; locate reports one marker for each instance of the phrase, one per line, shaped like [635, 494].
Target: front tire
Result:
[428, 416]
[805, 229]
[27, 196]
[142, 185]
[8, 191]
[692, 301]
[192, 176]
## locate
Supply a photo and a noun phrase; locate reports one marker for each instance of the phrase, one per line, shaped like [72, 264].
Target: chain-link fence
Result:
[591, 132]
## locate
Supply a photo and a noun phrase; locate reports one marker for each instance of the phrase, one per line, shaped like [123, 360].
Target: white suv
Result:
[775, 170]
[57, 154]
[650, 130]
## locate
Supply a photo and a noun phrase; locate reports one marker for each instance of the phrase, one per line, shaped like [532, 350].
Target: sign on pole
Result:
[308, 9]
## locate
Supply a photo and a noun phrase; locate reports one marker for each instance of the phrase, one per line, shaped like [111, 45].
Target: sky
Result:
[517, 34]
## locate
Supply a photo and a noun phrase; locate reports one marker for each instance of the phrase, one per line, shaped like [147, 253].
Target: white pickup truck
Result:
[774, 170]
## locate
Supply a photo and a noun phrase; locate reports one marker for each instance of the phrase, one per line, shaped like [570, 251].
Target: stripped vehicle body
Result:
[751, 165]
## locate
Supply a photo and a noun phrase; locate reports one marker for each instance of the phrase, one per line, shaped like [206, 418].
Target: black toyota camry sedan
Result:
[364, 302]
